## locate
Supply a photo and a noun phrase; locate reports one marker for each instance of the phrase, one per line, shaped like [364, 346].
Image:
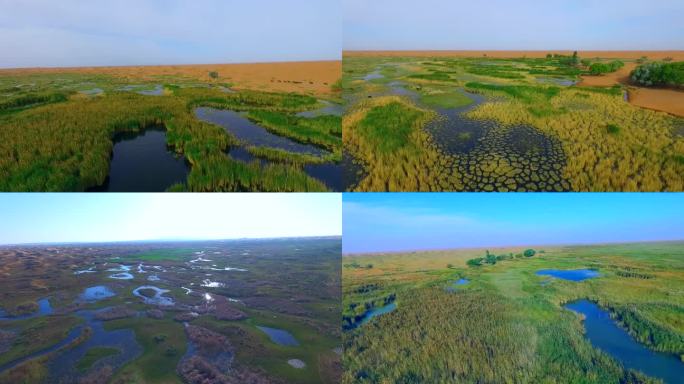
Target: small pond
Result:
[44, 309]
[92, 92]
[368, 316]
[569, 274]
[556, 81]
[141, 162]
[98, 292]
[606, 335]
[373, 75]
[279, 336]
[461, 282]
[157, 299]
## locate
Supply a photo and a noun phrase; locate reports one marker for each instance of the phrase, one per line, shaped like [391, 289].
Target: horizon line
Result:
[507, 50]
[371, 253]
[174, 65]
[63, 243]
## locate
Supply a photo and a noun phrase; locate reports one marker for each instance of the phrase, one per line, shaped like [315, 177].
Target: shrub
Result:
[529, 253]
[659, 73]
[476, 262]
[603, 68]
[214, 75]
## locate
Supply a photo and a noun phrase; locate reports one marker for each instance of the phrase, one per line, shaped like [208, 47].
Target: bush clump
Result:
[659, 73]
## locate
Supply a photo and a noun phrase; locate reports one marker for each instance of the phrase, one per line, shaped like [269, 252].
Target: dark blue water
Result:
[98, 292]
[251, 133]
[44, 309]
[141, 162]
[280, 336]
[329, 173]
[570, 274]
[607, 336]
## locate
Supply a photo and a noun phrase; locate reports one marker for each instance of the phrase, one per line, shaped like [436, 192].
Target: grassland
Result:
[507, 324]
[57, 126]
[604, 143]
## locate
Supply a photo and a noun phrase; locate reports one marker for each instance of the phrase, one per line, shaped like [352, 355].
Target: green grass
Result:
[172, 254]
[388, 128]
[445, 100]
[93, 355]
[504, 325]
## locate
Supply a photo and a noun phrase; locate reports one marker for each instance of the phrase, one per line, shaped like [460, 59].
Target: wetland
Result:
[107, 321]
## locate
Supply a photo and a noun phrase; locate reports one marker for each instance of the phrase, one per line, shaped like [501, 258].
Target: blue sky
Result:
[374, 222]
[141, 32]
[514, 24]
[76, 217]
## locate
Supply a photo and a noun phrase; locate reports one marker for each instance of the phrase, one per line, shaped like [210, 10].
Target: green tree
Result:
[529, 253]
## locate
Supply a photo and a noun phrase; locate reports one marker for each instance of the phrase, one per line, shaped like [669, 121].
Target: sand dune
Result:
[305, 77]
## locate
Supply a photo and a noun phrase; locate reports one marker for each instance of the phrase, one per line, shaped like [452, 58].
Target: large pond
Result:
[279, 336]
[488, 156]
[606, 335]
[141, 162]
[569, 274]
[253, 134]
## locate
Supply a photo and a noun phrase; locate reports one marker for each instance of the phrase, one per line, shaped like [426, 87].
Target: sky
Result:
[381, 222]
[104, 217]
[513, 25]
[64, 33]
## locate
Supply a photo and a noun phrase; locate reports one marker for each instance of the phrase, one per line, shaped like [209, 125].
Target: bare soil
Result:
[314, 77]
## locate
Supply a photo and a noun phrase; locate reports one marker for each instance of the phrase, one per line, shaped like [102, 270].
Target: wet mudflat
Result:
[481, 155]
[141, 162]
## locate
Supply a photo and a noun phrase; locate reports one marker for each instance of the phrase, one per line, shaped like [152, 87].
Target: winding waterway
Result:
[606, 335]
